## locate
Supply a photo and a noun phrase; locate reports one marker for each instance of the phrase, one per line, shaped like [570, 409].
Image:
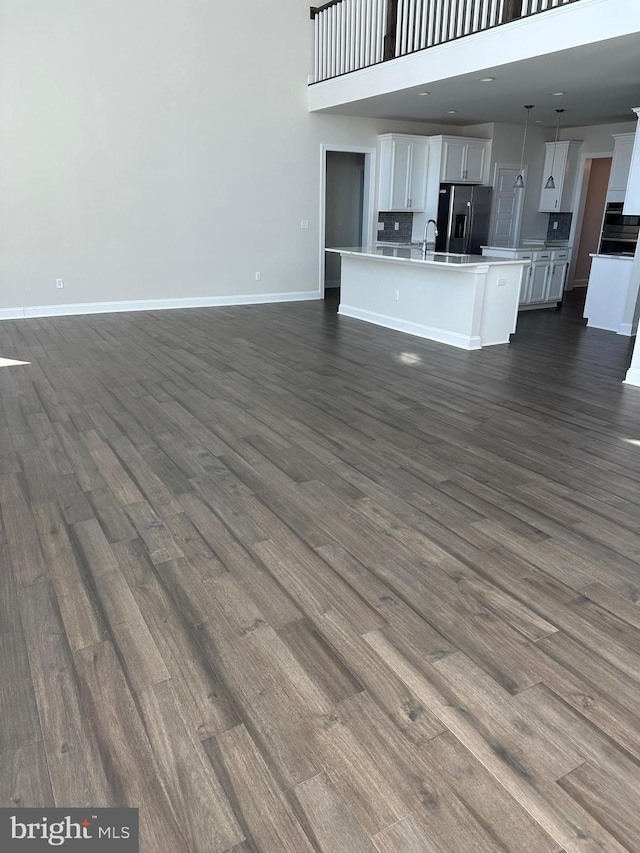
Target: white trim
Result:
[602, 328]
[417, 329]
[628, 329]
[11, 313]
[632, 377]
[369, 213]
[154, 304]
[579, 205]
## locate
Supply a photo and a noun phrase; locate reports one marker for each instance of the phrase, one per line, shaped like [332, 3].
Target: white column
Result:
[632, 196]
[633, 312]
[629, 321]
[633, 374]
[632, 207]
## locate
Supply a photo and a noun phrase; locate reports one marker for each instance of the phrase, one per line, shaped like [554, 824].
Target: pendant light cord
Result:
[520, 179]
[555, 145]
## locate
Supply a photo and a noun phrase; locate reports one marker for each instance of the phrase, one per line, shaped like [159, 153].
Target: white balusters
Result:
[350, 34]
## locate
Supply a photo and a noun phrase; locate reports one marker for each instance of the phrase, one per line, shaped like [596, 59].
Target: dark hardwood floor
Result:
[287, 581]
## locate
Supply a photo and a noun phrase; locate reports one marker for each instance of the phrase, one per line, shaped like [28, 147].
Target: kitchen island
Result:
[612, 294]
[467, 301]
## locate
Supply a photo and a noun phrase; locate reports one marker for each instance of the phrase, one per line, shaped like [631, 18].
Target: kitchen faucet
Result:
[435, 234]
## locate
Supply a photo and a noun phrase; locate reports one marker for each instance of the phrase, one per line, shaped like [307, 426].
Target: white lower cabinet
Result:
[543, 280]
[557, 277]
[538, 291]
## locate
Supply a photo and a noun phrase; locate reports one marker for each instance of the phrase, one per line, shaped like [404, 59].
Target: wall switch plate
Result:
[380, 226]
[59, 283]
[555, 225]
[502, 282]
[396, 295]
[304, 224]
[258, 276]
[396, 226]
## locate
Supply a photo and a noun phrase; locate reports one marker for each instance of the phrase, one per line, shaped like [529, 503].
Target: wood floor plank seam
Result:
[286, 591]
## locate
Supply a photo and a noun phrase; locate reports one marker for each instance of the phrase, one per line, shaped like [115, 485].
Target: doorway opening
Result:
[346, 208]
[590, 214]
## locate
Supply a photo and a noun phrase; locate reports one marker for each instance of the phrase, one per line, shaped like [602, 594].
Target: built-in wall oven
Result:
[619, 232]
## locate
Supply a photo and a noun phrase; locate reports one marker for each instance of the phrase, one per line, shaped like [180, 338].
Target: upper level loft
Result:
[354, 34]
[365, 49]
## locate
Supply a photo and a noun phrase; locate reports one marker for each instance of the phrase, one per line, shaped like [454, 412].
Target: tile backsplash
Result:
[389, 234]
[564, 226]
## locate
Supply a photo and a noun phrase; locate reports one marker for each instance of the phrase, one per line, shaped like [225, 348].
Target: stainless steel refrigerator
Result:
[463, 218]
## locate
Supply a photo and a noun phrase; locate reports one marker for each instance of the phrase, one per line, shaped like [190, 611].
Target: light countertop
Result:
[413, 254]
[614, 257]
[529, 247]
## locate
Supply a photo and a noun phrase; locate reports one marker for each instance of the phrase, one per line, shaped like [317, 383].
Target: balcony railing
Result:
[354, 34]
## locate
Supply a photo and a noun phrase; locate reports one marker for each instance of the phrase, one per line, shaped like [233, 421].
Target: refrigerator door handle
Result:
[447, 247]
[469, 232]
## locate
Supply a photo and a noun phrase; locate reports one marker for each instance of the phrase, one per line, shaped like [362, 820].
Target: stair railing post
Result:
[391, 30]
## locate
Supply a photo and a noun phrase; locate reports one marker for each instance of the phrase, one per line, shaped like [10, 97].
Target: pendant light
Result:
[519, 183]
[551, 184]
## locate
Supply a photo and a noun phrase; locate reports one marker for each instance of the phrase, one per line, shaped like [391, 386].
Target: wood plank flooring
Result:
[289, 582]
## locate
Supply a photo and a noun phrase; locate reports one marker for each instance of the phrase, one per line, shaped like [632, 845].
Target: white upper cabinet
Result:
[404, 161]
[620, 166]
[561, 161]
[632, 196]
[464, 160]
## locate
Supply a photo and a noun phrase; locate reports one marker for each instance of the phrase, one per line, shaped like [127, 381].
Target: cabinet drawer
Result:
[560, 256]
[542, 256]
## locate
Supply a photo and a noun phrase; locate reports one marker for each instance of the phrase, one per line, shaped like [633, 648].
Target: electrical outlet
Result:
[258, 276]
[380, 226]
[396, 295]
[396, 226]
[304, 224]
[555, 225]
[502, 282]
[59, 283]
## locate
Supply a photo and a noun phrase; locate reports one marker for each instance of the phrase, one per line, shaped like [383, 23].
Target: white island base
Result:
[465, 301]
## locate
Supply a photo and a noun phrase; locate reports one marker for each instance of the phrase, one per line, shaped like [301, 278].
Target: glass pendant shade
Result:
[519, 182]
[551, 184]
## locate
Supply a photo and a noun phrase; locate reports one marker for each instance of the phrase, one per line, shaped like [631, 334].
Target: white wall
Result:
[152, 149]
[598, 137]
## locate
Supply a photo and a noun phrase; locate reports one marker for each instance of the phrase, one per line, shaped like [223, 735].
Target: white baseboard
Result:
[417, 329]
[633, 376]
[538, 305]
[628, 329]
[602, 328]
[154, 304]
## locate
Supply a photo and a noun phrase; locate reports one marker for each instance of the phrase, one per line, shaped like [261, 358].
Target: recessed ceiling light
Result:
[557, 94]
[486, 79]
[452, 112]
[422, 94]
